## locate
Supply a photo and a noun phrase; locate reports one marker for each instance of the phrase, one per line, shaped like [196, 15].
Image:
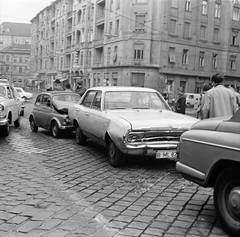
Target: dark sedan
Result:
[50, 112]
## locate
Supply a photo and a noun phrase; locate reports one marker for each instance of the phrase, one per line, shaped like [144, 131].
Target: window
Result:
[88, 99]
[214, 60]
[117, 27]
[204, 7]
[183, 85]
[234, 39]
[217, 10]
[201, 59]
[203, 32]
[236, 14]
[138, 51]
[81, 59]
[187, 5]
[232, 64]
[108, 54]
[110, 27]
[115, 53]
[173, 24]
[114, 78]
[89, 57]
[185, 56]
[140, 23]
[97, 101]
[186, 31]
[216, 35]
[172, 56]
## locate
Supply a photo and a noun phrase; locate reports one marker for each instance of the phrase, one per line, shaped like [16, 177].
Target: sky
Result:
[21, 11]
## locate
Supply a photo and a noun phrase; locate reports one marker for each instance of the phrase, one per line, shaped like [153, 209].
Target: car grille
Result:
[167, 136]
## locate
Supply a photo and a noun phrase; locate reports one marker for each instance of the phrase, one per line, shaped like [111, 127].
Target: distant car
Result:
[209, 155]
[50, 112]
[21, 100]
[10, 108]
[25, 95]
[129, 120]
[192, 99]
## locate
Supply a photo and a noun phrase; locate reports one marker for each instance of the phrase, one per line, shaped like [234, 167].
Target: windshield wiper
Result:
[141, 107]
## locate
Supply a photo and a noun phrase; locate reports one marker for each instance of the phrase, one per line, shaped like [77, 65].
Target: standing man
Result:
[180, 106]
[80, 88]
[57, 85]
[219, 101]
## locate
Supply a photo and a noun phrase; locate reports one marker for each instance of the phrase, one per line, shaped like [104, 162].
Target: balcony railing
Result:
[98, 42]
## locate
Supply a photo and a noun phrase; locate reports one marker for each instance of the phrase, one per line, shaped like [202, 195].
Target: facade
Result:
[161, 44]
[14, 64]
[17, 33]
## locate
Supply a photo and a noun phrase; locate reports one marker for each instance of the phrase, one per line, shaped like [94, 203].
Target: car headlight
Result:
[1, 107]
[135, 136]
[67, 120]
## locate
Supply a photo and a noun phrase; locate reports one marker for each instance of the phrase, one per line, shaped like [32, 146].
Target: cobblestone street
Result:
[54, 187]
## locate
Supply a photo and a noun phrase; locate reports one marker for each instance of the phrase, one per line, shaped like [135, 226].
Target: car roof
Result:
[58, 92]
[5, 84]
[122, 88]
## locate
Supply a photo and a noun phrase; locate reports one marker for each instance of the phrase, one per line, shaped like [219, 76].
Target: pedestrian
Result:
[201, 101]
[68, 87]
[180, 105]
[57, 85]
[80, 88]
[219, 101]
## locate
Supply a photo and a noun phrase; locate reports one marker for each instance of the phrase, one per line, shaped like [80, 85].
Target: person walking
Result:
[80, 88]
[68, 87]
[180, 106]
[201, 101]
[219, 101]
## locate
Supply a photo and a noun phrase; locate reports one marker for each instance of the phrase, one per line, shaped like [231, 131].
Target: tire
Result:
[115, 156]
[33, 125]
[17, 123]
[80, 137]
[5, 130]
[227, 199]
[56, 132]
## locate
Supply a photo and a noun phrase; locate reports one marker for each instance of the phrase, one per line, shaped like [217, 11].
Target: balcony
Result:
[69, 14]
[98, 42]
[100, 19]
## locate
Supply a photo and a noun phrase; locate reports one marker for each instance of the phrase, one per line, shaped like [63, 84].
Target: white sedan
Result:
[129, 120]
[25, 95]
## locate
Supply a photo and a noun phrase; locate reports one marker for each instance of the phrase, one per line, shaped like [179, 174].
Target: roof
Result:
[17, 29]
[58, 92]
[122, 88]
[17, 48]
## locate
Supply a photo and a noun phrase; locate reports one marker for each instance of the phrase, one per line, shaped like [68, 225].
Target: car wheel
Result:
[17, 123]
[56, 132]
[25, 98]
[33, 125]
[115, 156]
[22, 113]
[80, 137]
[5, 130]
[227, 199]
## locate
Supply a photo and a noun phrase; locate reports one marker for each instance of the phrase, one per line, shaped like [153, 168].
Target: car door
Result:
[46, 111]
[13, 104]
[84, 110]
[96, 119]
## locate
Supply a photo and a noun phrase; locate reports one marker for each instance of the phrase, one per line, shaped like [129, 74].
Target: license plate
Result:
[166, 154]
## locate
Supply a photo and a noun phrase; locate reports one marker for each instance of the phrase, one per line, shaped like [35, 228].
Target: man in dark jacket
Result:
[80, 88]
[180, 105]
[57, 85]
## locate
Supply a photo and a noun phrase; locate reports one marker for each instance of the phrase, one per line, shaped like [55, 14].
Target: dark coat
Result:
[180, 106]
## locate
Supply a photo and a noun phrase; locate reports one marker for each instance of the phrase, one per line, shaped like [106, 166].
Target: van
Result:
[191, 99]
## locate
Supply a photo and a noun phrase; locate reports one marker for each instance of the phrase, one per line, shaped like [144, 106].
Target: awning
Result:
[64, 79]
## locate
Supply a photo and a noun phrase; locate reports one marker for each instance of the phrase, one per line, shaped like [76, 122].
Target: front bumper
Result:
[67, 127]
[3, 122]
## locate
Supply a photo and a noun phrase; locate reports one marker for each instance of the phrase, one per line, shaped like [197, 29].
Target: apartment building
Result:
[14, 63]
[162, 44]
[17, 33]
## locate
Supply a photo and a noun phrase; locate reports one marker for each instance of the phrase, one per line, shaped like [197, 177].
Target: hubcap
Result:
[234, 201]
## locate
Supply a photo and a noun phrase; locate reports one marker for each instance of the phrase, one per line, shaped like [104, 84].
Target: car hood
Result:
[62, 106]
[156, 119]
[2, 98]
[209, 124]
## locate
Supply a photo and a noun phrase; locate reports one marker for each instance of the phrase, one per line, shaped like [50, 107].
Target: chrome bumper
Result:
[3, 122]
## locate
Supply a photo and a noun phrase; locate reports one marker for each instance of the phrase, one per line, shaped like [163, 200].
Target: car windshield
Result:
[134, 100]
[3, 91]
[67, 97]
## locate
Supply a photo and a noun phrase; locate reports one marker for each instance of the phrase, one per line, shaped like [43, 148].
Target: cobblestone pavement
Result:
[53, 188]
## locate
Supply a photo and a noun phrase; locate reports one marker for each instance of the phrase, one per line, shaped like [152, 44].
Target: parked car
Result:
[10, 108]
[209, 155]
[22, 101]
[128, 120]
[192, 99]
[50, 112]
[25, 95]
